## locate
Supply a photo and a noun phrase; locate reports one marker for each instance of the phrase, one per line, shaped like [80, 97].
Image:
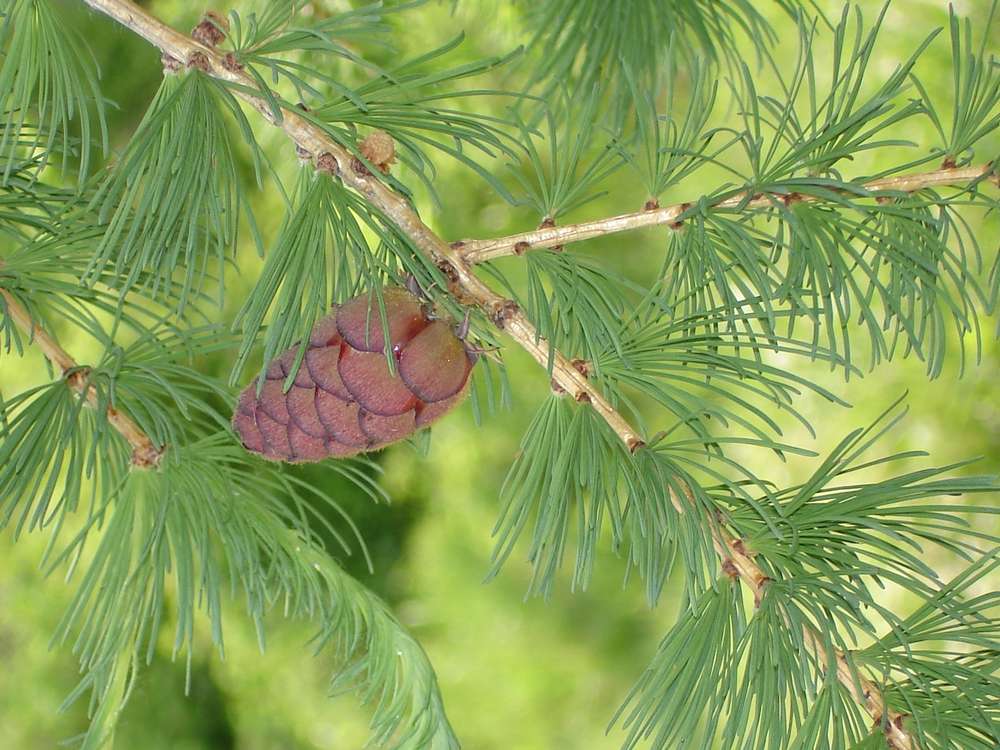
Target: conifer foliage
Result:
[141, 468]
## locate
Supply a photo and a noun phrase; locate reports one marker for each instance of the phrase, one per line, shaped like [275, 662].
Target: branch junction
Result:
[478, 251]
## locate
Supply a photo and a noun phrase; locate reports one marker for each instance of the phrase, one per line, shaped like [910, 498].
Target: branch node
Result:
[790, 198]
[199, 60]
[582, 366]
[454, 282]
[730, 569]
[651, 205]
[359, 168]
[758, 593]
[548, 223]
[634, 444]
[171, 64]
[521, 247]
[556, 388]
[77, 378]
[582, 397]
[450, 272]
[146, 457]
[503, 310]
[328, 163]
[675, 225]
[230, 63]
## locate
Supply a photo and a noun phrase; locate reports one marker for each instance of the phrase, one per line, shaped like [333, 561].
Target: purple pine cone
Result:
[344, 400]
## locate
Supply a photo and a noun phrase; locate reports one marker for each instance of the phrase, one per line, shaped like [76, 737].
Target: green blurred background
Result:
[515, 674]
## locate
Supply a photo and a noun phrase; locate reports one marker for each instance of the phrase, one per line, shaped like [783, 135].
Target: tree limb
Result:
[145, 454]
[740, 562]
[456, 261]
[328, 154]
[477, 251]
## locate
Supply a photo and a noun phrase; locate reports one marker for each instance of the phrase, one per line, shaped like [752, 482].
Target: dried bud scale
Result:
[199, 61]
[171, 65]
[327, 162]
[230, 63]
[211, 30]
[344, 399]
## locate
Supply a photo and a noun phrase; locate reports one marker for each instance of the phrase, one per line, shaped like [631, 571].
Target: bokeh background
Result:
[516, 674]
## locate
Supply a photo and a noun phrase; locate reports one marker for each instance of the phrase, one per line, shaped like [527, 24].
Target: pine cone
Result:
[344, 400]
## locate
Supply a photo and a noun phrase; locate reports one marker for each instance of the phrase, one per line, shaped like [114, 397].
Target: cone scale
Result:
[344, 399]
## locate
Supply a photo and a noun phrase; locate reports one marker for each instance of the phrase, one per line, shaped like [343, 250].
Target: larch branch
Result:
[477, 251]
[144, 453]
[740, 562]
[331, 156]
[456, 262]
